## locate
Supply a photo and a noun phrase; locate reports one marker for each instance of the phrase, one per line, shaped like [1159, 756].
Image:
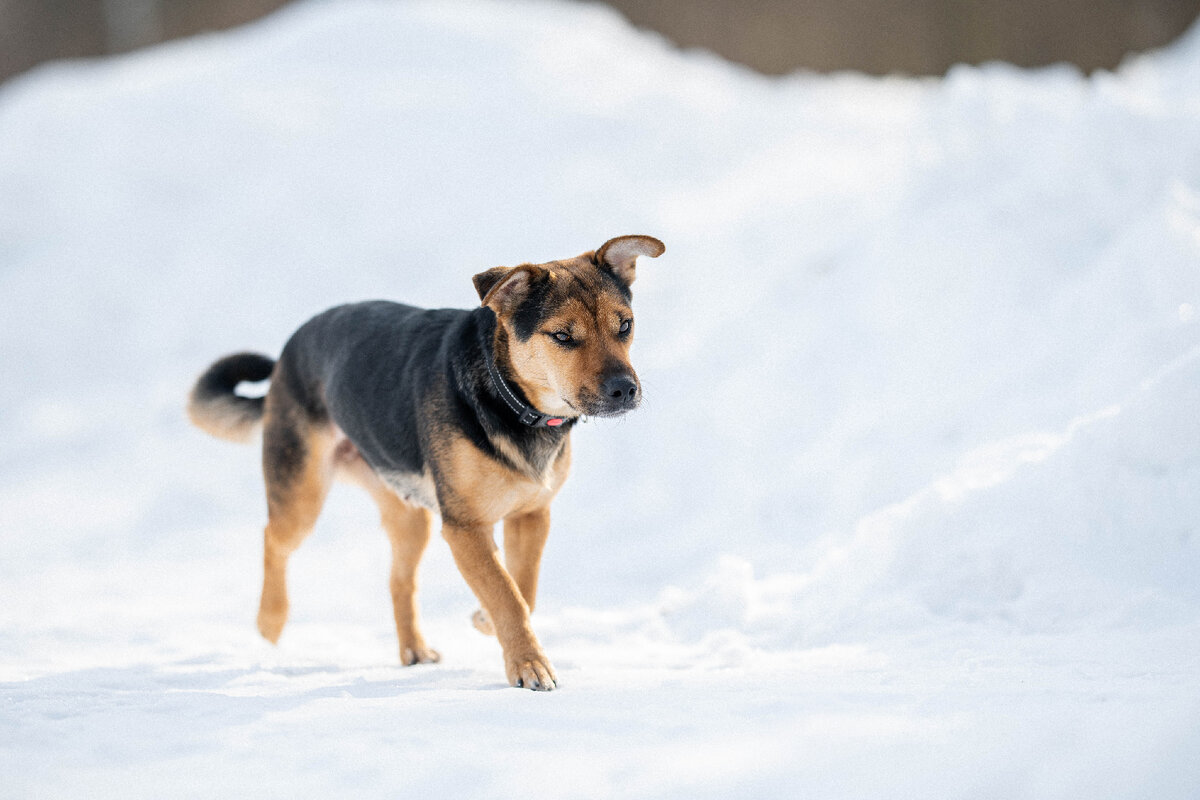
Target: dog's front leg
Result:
[474, 552]
[524, 539]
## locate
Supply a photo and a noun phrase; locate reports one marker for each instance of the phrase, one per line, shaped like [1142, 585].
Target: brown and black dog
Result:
[466, 414]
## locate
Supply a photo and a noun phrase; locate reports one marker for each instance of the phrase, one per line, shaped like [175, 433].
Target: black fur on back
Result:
[395, 379]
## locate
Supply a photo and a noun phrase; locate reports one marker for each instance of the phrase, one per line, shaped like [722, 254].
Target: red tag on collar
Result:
[554, 422]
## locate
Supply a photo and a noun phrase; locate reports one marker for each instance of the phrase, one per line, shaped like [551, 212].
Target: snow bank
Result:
[910, 508]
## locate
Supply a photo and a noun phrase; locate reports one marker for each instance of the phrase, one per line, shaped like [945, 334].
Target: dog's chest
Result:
[535, 461]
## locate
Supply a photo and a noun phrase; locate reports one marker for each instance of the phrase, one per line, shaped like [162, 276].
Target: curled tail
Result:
[215, 409]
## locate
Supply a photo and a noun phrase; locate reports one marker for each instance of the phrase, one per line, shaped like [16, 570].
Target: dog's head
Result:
[566, 327]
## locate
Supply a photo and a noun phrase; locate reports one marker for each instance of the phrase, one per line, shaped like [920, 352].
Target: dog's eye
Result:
[626, 325]
[563, 336]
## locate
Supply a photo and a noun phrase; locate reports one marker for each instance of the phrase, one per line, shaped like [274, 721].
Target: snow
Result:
[910, 509]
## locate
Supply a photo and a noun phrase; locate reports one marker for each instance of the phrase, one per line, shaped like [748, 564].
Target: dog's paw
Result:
[419, 654]
[531, 671]
[483, 623]
[270, 624]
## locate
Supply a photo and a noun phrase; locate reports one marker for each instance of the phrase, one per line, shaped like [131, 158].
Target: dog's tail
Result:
[214, 407]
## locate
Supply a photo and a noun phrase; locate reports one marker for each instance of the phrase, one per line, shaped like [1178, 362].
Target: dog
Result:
[462, 413]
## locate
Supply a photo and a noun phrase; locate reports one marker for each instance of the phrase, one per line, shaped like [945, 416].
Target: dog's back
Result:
[376, 370]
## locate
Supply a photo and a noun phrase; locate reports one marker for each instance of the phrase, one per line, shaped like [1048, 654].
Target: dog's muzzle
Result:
[618, 393]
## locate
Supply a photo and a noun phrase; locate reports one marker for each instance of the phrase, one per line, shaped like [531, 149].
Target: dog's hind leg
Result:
[297, 467]
[408, 527]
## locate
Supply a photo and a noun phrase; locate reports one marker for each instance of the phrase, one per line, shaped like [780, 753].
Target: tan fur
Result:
[478, 495]
[553, 378]
[408, 529]
[621, 254]
[292, 511]
[222, 419]
[510, 451]
[480, 491]
[524, 539]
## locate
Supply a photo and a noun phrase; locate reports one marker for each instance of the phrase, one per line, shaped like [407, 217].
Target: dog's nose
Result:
[619, 389]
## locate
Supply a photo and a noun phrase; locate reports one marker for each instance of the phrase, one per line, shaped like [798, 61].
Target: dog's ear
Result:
[501, 288]
[619, 255]
[484, 281]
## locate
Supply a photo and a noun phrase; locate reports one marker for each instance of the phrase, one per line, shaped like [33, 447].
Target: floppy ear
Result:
[501, 288]
[620, 255]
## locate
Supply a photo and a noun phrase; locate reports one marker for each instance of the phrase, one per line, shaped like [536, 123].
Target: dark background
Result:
[916, 37]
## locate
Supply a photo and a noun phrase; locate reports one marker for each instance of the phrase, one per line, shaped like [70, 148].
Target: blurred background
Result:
[915, 37]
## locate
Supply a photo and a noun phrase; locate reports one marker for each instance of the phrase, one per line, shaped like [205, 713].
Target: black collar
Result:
[527, 414]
